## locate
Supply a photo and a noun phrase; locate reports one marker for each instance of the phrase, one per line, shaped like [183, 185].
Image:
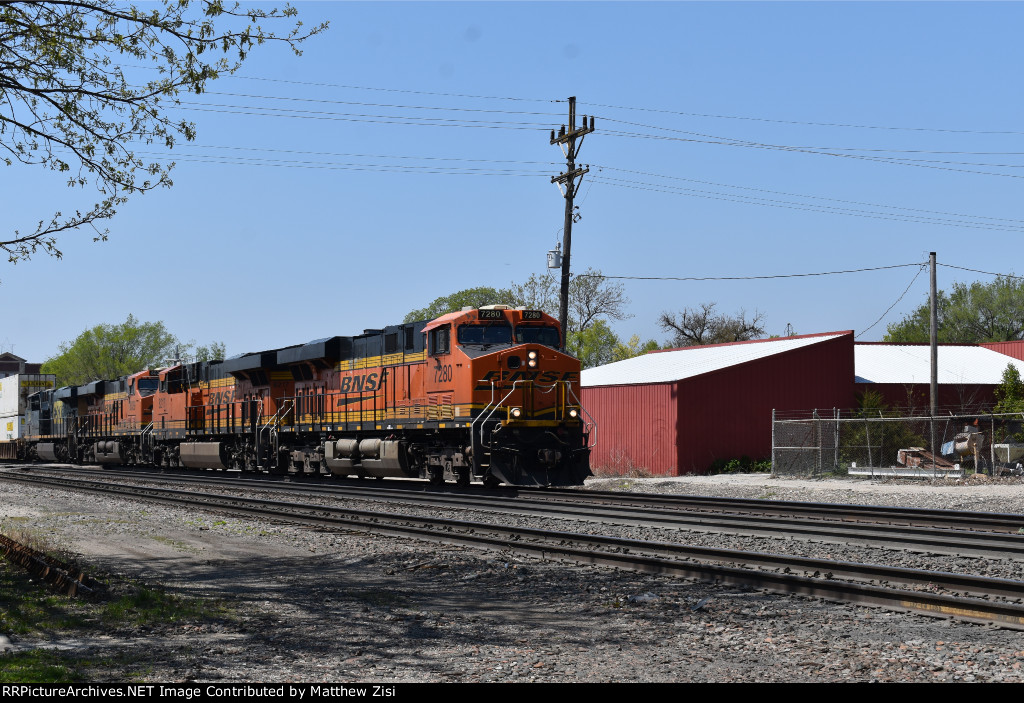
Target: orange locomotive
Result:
[484, 394]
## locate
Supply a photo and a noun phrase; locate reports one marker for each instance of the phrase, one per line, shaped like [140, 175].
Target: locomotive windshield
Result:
[148, 386]
[500, 333]
[548, 336]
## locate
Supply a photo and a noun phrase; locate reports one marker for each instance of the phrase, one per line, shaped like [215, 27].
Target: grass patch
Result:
[28, 607]
[38, 666]
[149, 606]
[30, 611]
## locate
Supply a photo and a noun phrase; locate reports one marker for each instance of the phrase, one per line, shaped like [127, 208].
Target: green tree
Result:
[595, 345]
[974, 313]
[877, 442]
[71, 104]
[591, 297]
[1010, 392]
[110, 351]
[633, 348]
[469, 297]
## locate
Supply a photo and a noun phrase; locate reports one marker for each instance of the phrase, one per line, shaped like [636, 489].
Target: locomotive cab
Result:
[515, 390]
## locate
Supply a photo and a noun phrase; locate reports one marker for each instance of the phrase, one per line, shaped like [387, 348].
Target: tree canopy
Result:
[972, 313]
[1010, 392]
[593, 300]
[591, 297]
[702, 325]
[70, 104]
[469, 297]
[111, 351]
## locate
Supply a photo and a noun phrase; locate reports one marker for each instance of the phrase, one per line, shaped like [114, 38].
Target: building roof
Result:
[677, 364]
[911, 363]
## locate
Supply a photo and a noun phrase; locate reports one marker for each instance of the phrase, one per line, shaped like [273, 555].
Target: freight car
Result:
[484, 395]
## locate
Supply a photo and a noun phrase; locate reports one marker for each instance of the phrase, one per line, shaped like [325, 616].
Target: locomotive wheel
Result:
[462, 476]
[491, 481]
[435, 475]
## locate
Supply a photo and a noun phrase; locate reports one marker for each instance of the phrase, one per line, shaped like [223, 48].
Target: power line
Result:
[744, 278]
[812, 124]
[344, 116]
[988, 273]
[727, 141]
[387, 105]
[889, 309]
[805, 207]
[798, 195]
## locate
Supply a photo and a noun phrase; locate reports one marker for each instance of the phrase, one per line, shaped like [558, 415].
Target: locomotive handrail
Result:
[271, 423]
[148, 429]
[483, 420]
[593, 422]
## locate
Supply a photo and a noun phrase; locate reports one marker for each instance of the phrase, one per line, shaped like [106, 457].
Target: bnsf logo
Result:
[358, 384]
[539, 376]
[223, 396]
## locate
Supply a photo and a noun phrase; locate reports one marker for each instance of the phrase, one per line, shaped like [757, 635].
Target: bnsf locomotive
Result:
[478, 395]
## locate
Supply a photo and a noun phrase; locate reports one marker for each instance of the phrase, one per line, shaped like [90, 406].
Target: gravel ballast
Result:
[315, 606]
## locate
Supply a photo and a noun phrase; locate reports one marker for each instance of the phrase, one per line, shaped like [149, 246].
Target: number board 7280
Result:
[491, 314]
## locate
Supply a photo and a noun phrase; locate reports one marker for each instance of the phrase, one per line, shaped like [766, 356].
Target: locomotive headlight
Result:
[573, 413]
[515, 412]
[532, 363]
[532, 355]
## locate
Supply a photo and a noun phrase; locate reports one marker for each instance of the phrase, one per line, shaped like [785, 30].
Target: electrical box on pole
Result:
[555, 257]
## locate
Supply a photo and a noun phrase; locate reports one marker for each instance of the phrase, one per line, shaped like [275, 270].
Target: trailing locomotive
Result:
[479, 395]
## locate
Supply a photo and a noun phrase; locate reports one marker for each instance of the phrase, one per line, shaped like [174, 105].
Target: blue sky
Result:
[316, 201]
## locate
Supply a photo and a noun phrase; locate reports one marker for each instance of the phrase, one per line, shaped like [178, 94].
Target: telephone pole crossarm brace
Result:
[569, 186]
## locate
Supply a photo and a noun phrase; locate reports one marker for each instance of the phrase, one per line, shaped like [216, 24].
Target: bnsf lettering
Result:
[359, 384]
[539, 376]
[222, 397]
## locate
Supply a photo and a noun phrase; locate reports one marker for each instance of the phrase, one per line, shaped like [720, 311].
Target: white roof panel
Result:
[678, 364]
[911, 363]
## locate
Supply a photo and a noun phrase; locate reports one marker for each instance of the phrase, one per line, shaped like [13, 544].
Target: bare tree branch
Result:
[699, 326]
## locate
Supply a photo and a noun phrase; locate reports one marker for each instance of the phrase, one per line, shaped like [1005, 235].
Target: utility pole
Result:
[933, 338]
[567, 183]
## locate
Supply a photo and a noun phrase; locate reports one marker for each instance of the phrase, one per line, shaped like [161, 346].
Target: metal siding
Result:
[677, 428]
[15, 390]
[11, 427]
[915, 398]
[910, 364]
[1013, 349]
[727, 414]
[635, 428]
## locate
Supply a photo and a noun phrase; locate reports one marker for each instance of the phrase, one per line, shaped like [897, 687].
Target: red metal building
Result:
[968, 374]
[676, 411]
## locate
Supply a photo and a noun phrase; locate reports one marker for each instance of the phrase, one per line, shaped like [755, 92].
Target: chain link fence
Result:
[855, 442]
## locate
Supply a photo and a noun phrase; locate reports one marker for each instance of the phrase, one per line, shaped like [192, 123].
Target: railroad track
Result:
[973, 598]
[943, 532]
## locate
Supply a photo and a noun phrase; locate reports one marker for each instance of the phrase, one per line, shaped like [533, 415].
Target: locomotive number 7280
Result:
[442, 373]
